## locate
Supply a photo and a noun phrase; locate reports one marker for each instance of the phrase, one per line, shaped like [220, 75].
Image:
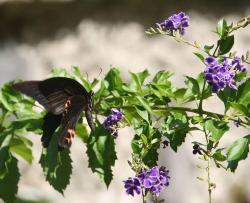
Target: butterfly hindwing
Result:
[50, 124]
[74, 106]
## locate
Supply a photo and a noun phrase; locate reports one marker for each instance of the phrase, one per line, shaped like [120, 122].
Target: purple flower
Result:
[111, 122]
[132, 185]
[220, 75]
[175, 22]
[236, 63]
[154, 179]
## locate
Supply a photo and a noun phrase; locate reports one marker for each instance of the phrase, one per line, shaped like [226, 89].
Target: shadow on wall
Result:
[32, 21]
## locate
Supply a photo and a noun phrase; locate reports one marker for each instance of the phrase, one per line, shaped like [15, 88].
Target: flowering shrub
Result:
[149, 108]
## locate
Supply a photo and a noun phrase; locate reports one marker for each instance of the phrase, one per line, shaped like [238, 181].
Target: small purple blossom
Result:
[236, 63]
[197, 149]
[132, 185]
[175, 22]
[111, 122]
[237, 122]
[220, 75]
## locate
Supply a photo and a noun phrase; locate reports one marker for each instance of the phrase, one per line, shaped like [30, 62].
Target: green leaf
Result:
[193, 89]
[162, 77]
[218, 156]
[241, 109]
[138, 80]
[113, 81]
[81, 132]
[58, 72]
[76, 73]
[243, 93]
[226, 96]
[56, 165]
[216, 128]
[4, 160]
[199, 56]
[144, 103]
[101, 153]
[8, 184]
[222, 28]
[19, 147]
[237, 151]
[226, 44]
[175, 129]
[208, 48]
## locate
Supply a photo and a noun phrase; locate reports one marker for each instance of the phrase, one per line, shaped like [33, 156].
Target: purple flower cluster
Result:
[111, 122]
[175, 22]
[153, 180]
[220, 75]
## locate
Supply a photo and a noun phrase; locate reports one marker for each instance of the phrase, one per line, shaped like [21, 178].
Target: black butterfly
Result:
[64, 99]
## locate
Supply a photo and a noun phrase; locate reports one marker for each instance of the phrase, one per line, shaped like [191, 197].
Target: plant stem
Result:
[209, 181]
[209, 184]
[202, 95]
[143, 196]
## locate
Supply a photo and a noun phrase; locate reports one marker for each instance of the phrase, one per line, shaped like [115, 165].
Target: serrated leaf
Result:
[101, 153]
[9, 184]
[226, 44]
[216, 128]
[237, 151]
[56, 165]
[176, 128]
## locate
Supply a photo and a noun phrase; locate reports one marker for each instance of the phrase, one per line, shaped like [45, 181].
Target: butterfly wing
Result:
[74, 106]
[52, 93]
[50, 124]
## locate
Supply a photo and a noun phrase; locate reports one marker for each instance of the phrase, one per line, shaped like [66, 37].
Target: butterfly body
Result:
[64, 99]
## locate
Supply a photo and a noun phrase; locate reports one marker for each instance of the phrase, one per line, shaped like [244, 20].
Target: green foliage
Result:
[237, 151]
[56, 165]
[101, 153]
[217, 129]
[8, 182]
[176, 128]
